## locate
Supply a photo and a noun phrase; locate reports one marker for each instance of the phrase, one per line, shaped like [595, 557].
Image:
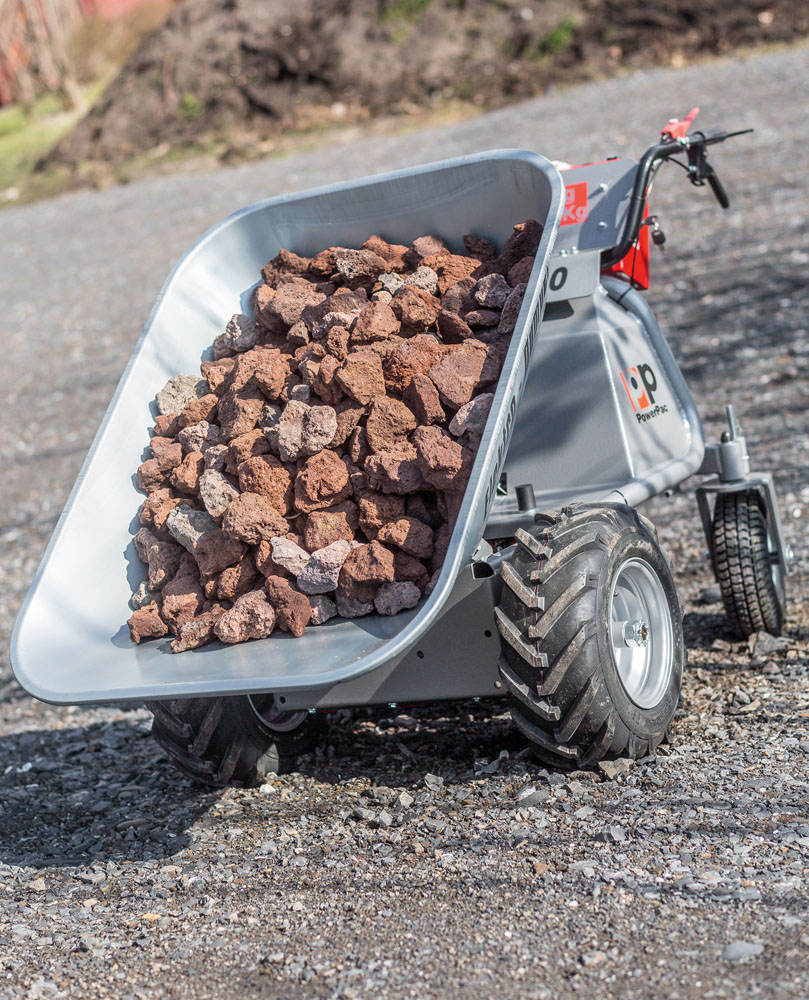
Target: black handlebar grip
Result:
[717, 133]
[718, 189]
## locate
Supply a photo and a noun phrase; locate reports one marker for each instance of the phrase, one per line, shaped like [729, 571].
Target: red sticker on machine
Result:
[575, 204]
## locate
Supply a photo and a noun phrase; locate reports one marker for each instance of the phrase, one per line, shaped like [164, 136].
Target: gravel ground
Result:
[425, 854]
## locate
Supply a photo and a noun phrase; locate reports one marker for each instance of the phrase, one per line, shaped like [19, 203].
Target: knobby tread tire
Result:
[742, 561]
[224, 741]
[556, 649]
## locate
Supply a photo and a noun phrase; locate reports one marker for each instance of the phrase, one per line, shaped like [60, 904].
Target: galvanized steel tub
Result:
[70, 643]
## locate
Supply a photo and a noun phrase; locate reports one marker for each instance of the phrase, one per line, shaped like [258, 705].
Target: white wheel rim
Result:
[641, 633]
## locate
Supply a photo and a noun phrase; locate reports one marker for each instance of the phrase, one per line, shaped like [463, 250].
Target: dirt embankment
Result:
[234, 72]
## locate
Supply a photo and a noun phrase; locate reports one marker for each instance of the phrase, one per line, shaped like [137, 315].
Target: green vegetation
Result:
[408, 11]
[191, 107]
[25, 137]
[558, 39]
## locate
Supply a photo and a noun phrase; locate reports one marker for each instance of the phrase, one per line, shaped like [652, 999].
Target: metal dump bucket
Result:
[70, 643]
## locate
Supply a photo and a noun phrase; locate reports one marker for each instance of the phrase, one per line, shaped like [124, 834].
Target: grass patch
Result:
[558, 39]
[408, 11]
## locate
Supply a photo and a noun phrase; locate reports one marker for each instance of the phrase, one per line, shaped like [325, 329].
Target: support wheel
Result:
[747, 565]
[236, 741]
[591, 635]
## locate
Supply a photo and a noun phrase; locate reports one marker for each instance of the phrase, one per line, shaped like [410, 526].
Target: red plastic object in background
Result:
[635, 265]
[678, 128]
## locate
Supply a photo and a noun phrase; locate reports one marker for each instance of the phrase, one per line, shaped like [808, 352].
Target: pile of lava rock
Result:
[318, 465]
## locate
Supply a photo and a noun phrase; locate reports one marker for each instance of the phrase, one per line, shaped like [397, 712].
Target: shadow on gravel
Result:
[702, 628]
[446, 739]
[98, 793]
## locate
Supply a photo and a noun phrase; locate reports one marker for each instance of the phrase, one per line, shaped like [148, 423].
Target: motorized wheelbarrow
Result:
[554, 590]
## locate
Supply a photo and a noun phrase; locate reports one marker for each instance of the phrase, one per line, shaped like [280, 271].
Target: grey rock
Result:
[241, 334]
[323, 608]
[348, 607]
[188, 526]
[391, 598]
[288, 554]
[216, 493]
[615, 768]
[737, 951]
[470, 419]
[215, 457]
[143, 596]
[179, 391]
[424, 278]
[321, 571]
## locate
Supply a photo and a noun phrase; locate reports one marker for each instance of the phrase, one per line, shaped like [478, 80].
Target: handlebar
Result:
[699, 170]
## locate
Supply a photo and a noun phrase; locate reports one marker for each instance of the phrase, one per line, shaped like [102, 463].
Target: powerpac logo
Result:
[575, 204]
[640, 383]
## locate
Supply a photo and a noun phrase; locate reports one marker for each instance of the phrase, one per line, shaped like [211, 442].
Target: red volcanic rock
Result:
[416, 308]
[388, 423]
[322, 482]
[360, 376]
[266, 475]
[365, 569]
[292, 608]
[423, 399]
[377, 321]
[251, 518]
[331, 524]
[146, 623]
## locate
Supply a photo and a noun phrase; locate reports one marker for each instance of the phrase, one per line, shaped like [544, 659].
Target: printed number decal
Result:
[558, 279]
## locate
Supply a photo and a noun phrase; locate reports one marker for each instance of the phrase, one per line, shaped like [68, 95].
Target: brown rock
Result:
[216, 551]
[198, 631]
[521, 272]
[408, 534]
[331, 525]
[167, 425]
[152, 475]
[203, 408]
[408, 358]
[358, 449]
[348, 413]
[146, 623]
[186, 476]
[365, 569]
[462, 373]
[480, 247]
[156, 508]
[452, 328]
[323, 263]
[407, 568]
[377, 321]
[164, 449]
[270, 372]
[377, 509]
[416, 308]
[452, 268]
[216, 372]
[325, 384]
[360, 376]
[392, 253]
[292, 608]
[422, 398]
[444, 463]
[262, 298]
[251, 518]
[239, 412]
[440, 545]
[243, 447]
[285, 263]
[236, 580]
[337, 342]
[291, 298]
[322, 482]
[266, 475]
[394, 471]
[251, 617]
[523, 242]
[182, 595]
[388, 422]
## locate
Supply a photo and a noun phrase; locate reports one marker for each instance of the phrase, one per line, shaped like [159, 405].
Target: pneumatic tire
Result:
[591, 635]
[748, 570]
[238, 740]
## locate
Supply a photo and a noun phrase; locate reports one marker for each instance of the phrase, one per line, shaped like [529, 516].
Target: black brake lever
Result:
[720, 193]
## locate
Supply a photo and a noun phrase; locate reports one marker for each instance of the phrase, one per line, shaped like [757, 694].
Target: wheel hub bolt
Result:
[636, 633]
